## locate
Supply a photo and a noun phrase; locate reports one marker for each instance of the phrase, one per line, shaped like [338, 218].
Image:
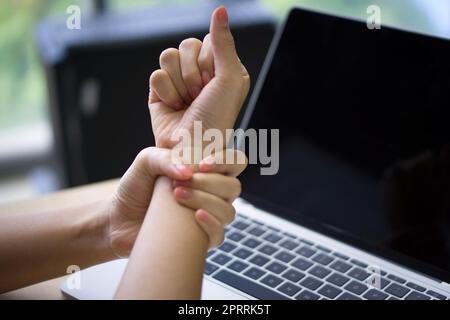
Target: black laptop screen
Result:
[364, 119]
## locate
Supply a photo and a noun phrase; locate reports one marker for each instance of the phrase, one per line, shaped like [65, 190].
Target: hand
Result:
[201, 81]
[211, 192]
[129, 204]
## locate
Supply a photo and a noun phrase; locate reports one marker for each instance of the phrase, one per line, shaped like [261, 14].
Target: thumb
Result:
[225, 57]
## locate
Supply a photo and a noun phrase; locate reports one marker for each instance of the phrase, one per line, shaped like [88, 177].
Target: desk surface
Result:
[62, 199]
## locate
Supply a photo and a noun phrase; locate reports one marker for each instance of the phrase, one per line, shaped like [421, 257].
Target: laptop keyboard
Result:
[267, 263]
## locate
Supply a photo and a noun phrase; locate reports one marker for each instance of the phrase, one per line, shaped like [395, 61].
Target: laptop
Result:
[359, 208]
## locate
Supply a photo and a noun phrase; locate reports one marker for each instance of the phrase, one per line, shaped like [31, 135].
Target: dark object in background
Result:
[98, 78]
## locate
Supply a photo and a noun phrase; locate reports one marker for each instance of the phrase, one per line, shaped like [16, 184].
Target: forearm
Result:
[168, 257]
[37, 247]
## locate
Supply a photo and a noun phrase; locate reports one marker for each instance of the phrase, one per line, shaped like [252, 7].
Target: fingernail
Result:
[178, 183]
[202, 215]
[206, 77]
[222, 15]
[184, 169]
[195, 91]
[182, 193]
[207, 164]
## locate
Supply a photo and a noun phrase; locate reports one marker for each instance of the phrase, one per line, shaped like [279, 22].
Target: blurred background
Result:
[73, 103]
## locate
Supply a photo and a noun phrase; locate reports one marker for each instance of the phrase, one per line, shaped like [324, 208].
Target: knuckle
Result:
[168, 55]
[157, 76]
[189, 43]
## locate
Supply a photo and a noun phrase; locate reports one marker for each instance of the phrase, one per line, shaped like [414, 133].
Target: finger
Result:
[211, 226]
[225, 187]
[169, 60]
[156, 161]
[163, 87]
[231, 162]
[225, 56]
[189, 50]
[196, 199]
[206, 60]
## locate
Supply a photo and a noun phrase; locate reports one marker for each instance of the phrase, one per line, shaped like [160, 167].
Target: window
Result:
[24, 127]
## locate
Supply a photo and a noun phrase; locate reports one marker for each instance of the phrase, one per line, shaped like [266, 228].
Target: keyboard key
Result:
[242, 253]
[289, 289]
[254, 273]
[236, 236]
[293, 275]
[415, 286]
[329, 291]
[258, 222]
[289, 244]
[237, 265]
[227, 246]
[268, 249]
[397, 290]
[210, 268]
[210, 253]
[340, 266]
[384, 283]
[340, 256]
[273, 228]
[306, 251]
[307, 295]
[271, 280]
[240, 225]
[358, 274]
[392, 298]
[276, 267]
[338, 279]
[348, 296]
[290, 235]
[257, 231]
[240, 215]
[436, 295]
[311, 283]
[374, 294]
[309, 243]
[396, 279]
[284, 256]
[273, 238]
[319, 271]
[359, 263]
[301, 264]
[417, 296]
[252, 288]
[259, 260]
[356, 287]
[221, 259]
[322, 259]
[322, 248]
[251, 243]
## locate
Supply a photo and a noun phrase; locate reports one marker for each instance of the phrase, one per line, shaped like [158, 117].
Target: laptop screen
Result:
[364, 150]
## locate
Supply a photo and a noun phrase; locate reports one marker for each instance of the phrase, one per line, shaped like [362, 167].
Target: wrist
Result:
[95, 231]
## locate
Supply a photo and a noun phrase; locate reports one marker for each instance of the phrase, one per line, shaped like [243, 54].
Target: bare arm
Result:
[40, 246]
[167, 260]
